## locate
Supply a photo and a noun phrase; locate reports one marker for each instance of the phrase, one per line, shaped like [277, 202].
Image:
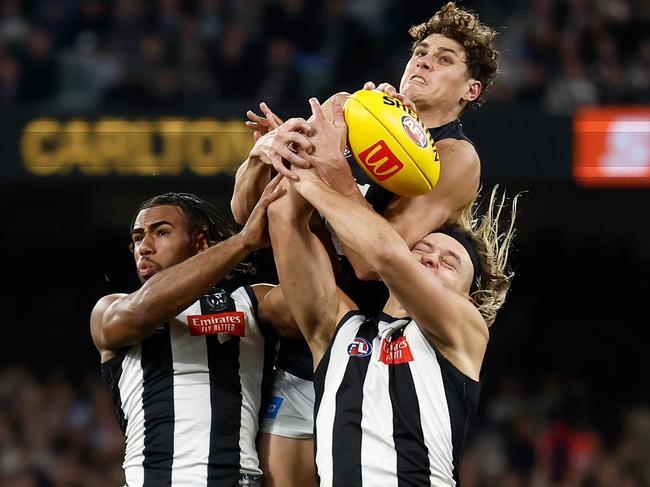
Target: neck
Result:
[394, 308]
[437, 116]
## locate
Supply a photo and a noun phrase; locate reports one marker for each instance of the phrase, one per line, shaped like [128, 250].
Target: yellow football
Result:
[391, 143]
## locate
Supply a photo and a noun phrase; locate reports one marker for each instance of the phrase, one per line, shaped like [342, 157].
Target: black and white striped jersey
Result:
[391, 411]
[188, 397]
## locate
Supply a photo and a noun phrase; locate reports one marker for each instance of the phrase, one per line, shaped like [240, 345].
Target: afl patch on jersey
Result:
[230, 323]
[360, 347]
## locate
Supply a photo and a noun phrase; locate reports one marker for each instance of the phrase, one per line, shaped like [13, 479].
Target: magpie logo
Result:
[217, 300]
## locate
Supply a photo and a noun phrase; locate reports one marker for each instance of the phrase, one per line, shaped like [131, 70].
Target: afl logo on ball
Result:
[360, 347]
[415, 131]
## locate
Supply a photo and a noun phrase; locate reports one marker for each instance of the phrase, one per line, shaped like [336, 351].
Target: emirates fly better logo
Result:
[231, 323]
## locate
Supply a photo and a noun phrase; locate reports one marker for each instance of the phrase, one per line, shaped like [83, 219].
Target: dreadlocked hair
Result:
[492, 244]
[201, 215]
[476, 38]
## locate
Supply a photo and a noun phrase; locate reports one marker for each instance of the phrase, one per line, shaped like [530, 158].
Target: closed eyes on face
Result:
[448, 257]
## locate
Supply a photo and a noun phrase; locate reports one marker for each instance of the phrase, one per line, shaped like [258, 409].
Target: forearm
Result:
[305, 271]
[172, 290]
[250, 181]
[346, 217]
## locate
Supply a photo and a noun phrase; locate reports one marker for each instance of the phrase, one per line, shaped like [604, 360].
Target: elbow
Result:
[385, 260]
[366, 273]
[275, 212]
[238, 213]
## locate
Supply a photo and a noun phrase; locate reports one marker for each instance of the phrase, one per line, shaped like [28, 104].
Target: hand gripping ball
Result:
[391, 143]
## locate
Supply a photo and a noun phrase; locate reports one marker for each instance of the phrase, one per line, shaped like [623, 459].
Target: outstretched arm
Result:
[267, 157]
[447, 318]
[272, 150]
[120, 320]
[305, 272]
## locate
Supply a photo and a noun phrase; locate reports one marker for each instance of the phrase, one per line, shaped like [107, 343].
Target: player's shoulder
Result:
[458, 150]
[261, 290]
[105, 302]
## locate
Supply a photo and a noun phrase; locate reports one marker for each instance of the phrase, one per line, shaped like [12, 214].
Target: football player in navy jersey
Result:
[395, 390]
[453, 64]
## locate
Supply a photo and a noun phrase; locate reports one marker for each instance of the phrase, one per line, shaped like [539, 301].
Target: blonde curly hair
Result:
[476, 38]
[492, 244]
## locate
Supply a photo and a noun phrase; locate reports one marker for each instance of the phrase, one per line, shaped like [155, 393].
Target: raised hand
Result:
[289, 144]
[261, 125]
[328, 141]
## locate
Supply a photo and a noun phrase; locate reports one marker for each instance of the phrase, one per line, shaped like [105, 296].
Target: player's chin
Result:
[146, 275]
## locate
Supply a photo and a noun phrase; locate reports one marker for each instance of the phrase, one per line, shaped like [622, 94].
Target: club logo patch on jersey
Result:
[230, 323]
[415, 131]
[360, 347]
[380, 161]
[217, 300]
[395, 352]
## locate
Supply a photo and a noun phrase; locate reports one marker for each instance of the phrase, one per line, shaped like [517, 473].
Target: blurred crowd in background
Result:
[58, 433]
[589, 427]
[78, 54]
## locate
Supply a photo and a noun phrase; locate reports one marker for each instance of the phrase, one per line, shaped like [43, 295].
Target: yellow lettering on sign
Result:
[171, 133]
[38, 146]
[167, 146]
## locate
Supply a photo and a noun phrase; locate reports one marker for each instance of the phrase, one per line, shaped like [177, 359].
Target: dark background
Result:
[565, 381]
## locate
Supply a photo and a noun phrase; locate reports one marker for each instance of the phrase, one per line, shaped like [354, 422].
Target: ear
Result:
[474, 88]
[201, 241]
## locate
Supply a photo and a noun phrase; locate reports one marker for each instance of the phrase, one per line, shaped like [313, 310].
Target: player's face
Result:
[447, 259]
[162, 237]
[436, 75]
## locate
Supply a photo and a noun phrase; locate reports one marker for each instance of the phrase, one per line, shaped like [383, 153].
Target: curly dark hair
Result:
[476, 38]
[201, 214]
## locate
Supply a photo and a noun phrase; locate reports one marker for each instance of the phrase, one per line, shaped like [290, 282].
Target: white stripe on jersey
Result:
[191, 398]
[333, 378]
[436, 423]
[378, 451]
[377, 445]
[130, 385]
[191, 388]
[251, 368]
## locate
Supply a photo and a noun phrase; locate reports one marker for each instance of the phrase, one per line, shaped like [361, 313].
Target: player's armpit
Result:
[274, 311]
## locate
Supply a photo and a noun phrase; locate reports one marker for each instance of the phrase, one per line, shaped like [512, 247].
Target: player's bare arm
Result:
[415, 217]
[273, 311]
[120, 320]
[443, 315]
[269, 154]
[305, 272]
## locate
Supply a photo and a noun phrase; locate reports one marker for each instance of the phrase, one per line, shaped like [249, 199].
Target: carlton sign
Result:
[167, 146]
